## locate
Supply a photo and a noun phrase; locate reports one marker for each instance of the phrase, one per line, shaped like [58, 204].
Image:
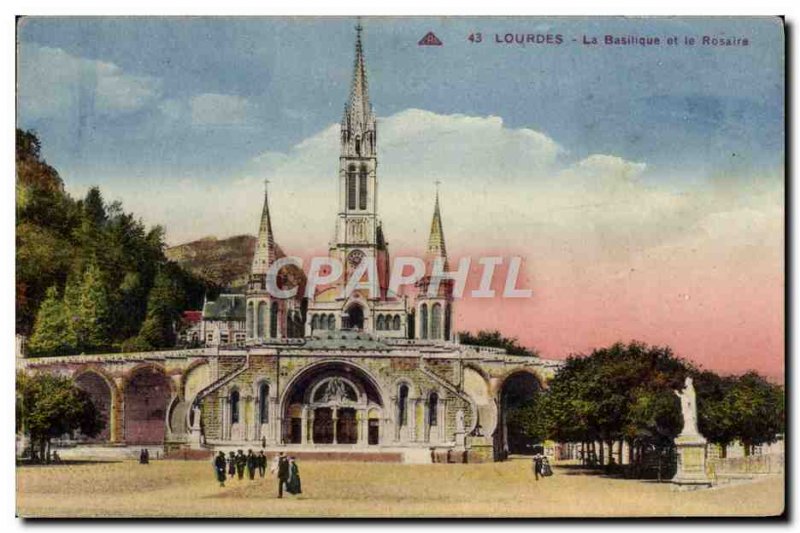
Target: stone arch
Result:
[147, 394]
[192, 379]
[516, 389]
[356, 315]
[477, 387]
[103, 392]
[327, 417]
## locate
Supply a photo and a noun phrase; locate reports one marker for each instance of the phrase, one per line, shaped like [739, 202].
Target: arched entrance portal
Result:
[333, 403]
[100, 393]
[147, 395]
[518, 394]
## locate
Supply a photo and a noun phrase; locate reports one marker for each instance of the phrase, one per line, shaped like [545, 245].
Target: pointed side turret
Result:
[434, 312]
[265, 253]
[436, 245]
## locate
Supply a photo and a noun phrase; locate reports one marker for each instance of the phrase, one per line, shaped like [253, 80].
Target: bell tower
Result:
[358, 234]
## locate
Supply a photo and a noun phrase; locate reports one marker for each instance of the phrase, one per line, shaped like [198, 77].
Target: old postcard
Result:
[400, 267]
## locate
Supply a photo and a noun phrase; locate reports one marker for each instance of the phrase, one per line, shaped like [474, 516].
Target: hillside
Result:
[221, 262]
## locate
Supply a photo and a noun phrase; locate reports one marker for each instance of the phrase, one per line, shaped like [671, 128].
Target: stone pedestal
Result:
[479, 450]
[691, 474]
[195, 438]
[461, 443]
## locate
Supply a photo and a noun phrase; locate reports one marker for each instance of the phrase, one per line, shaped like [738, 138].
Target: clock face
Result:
[355, 258]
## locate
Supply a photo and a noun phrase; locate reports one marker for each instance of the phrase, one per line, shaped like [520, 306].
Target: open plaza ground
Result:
[338, 489]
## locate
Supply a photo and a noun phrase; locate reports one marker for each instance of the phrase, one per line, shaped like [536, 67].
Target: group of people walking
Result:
[235, 465]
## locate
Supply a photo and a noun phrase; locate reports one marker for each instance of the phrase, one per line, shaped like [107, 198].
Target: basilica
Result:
[369, 372]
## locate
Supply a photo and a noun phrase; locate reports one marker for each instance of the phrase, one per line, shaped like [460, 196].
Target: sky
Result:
[642, 185]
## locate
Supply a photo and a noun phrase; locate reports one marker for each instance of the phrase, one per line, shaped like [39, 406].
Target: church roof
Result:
[227, 307]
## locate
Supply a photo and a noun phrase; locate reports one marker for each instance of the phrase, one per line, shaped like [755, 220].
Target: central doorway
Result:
[334, 403]
[346, 428]
[323, 425]
[355, 317]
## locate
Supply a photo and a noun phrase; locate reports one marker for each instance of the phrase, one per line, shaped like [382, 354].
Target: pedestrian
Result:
[219, 468]
[293, 484]
[538, 461]
[262, 463]
[241, 462]
[252, 464]
[283, 473]
[231, 465]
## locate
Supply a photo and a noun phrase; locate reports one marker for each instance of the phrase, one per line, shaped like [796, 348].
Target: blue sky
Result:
[643, 187]
[685, 111]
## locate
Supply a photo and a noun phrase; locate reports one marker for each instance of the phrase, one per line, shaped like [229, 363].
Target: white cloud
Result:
[56, 84]
[210, 109]
[503, 188]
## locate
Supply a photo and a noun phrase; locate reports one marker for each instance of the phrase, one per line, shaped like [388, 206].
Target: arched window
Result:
[436, 321]
[251, 319]
[447, 319]
[358, 145]
[423, 321]
[351, 187]
[331, 322]
[402, 406]
[433, 407]
[273, 320]
[263, 403]
[235, 407]
[396, 323]
[261, 323]
[362, 188]
[379, 323]
[314, 322]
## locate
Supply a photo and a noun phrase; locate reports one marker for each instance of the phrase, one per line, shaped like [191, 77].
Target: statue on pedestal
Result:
[688, 399]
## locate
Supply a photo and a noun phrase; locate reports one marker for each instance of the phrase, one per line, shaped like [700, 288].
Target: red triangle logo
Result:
[430, 40]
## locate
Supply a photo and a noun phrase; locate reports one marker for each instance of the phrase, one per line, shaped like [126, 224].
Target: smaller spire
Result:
[436, 245]
[265, 253]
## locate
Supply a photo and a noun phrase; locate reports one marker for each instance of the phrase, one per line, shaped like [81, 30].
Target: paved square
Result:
[177, 488]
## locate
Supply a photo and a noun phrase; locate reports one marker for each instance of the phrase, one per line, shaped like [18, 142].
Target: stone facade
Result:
[369, 370]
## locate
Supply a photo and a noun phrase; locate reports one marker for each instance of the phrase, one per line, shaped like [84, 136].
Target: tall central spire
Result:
[359, 110]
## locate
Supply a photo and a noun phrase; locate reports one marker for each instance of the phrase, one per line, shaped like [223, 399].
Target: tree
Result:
[158, 328]
[50, 406]
[496, 339]
[89, 310]
[52, 334]
[757, 408]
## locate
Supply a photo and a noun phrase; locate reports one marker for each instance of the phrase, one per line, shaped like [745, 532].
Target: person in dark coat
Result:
[219, 468]
[293, 484]
[231, 465]
[241, 463]
[283, 473]
[538, 462]
[252, 464]
[262, 463]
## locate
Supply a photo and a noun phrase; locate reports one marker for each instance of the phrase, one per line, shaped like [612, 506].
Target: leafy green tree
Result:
[50, 406]
[758, 409]
[496, 339]
[89, 310]
[52, 333]
[158, 328]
